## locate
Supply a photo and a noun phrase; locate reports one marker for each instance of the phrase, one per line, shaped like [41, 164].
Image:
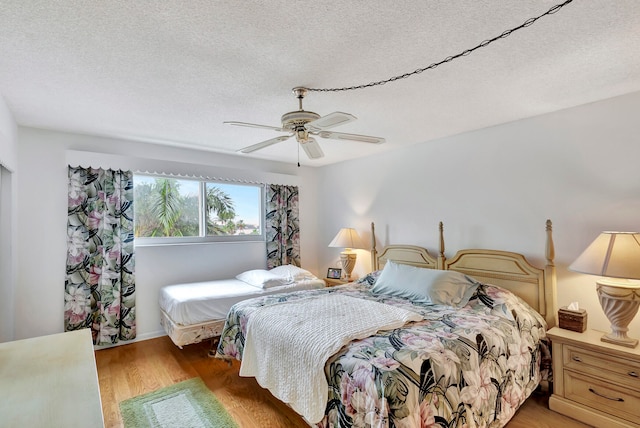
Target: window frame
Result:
[203, 238]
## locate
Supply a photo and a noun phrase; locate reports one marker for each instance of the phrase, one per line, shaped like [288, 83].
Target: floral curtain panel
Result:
[282, 226]
[99, 283]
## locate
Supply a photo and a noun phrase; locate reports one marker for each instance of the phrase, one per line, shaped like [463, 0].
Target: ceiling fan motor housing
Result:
[296, 119]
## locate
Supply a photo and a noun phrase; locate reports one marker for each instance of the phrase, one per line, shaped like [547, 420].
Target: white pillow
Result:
[293, 273]
[262, 278]
[430, 286]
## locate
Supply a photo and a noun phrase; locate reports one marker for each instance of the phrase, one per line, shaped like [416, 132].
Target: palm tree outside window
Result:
[188, 209]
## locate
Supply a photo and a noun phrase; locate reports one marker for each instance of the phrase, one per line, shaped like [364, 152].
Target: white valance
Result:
[177, 169]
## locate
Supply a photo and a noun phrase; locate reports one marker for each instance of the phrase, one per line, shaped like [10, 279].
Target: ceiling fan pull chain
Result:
[465, 52]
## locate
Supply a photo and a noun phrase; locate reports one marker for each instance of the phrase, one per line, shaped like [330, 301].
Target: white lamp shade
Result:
[612, 254]
[347, 238]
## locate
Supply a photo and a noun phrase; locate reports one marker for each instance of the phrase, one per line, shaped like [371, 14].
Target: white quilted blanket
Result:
[288, 344]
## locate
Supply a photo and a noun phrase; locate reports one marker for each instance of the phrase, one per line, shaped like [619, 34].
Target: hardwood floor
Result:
[130, 370]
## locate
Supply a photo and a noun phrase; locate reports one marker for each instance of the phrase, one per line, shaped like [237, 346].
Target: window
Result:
[171, 210]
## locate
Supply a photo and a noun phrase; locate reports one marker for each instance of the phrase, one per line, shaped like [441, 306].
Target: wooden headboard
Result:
[406, 254]
[536, 286]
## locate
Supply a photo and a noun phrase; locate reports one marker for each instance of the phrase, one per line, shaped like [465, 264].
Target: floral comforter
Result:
[467, 367]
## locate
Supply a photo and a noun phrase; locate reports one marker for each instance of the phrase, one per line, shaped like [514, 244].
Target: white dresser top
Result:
[50, 381]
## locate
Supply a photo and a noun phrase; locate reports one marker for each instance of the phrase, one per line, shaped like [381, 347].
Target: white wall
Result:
[43, 157]
[494, 188]
[8, 210]
[8, 137]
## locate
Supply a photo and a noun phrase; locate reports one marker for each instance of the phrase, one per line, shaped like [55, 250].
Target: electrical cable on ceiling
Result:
[466, 52]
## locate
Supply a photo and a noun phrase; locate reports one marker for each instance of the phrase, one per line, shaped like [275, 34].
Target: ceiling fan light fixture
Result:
[302, 134]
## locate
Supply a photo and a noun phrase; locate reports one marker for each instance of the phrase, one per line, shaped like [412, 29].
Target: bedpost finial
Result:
[374, 252]
[550, 249]
[373, 236]
[441, 259]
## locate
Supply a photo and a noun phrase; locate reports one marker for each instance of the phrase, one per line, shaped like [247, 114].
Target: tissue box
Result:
[572, 320]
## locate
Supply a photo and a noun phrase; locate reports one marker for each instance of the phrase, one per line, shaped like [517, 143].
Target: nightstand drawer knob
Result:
[633, 374]
[578, 359]
[604, 396]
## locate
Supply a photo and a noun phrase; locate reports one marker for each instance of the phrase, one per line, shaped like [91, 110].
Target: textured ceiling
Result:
[171, 72]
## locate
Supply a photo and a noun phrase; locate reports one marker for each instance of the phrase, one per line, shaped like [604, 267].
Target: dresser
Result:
[50, 381]
[595, 382]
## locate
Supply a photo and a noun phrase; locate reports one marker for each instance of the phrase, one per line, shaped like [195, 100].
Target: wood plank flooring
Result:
[130, 370]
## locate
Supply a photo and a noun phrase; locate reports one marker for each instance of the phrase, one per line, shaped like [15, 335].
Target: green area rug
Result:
[187, 404]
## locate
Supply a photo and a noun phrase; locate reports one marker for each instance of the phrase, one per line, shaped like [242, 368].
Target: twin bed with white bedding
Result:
[193, 312]
[419, 342]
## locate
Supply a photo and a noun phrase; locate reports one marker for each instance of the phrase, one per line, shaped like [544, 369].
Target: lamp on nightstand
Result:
[348, 239]
[616, 256]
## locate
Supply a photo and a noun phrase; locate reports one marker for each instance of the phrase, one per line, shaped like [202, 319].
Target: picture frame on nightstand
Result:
[334, 273]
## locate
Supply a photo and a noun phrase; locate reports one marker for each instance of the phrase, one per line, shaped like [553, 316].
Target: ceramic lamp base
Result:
[627, 341]
[348, 260]
[620, 305]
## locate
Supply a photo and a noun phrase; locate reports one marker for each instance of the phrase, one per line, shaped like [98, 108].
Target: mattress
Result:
[200, 302]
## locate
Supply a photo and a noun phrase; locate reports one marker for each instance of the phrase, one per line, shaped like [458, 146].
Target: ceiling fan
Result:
[303, 124]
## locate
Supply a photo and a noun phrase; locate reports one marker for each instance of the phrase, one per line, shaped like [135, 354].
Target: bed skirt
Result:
[183, 335]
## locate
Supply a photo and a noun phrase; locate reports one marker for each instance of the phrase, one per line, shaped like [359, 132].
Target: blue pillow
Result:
[430, 286]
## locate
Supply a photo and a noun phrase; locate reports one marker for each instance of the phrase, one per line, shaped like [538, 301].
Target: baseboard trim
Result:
[139, 338]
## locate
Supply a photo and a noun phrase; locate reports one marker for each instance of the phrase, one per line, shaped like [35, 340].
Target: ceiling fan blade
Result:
[264, 144]
[330, 120]
[255, 125]
[312, 148]
[351, 137]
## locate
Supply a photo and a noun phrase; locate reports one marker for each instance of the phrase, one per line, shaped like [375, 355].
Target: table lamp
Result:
[616, 256]
[347, 238]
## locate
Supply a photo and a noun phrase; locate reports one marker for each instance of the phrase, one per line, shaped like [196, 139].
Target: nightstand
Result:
[595, 382]
[332, 282]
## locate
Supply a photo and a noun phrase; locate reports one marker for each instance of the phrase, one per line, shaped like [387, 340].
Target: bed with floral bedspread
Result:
[457, 367]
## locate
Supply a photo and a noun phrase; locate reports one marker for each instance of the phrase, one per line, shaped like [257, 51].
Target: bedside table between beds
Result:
[332, 282]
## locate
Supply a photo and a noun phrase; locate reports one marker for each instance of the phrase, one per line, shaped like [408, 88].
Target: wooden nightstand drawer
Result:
[617, 370]
[595, 381]
[602, 395]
